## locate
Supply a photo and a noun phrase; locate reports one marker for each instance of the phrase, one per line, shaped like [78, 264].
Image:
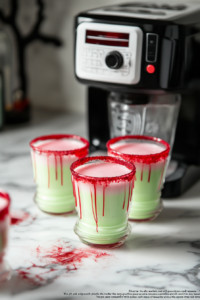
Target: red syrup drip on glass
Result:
[79, 198]
[104, 188]
[74, 190]
[56, 167]
[129, 194]
[161, 176]
[124, 196]
[128, 197]
[92, 205]
[48, 171]
[94, 210]
[149, 176]
[95, 203]
[142, 172]
[61, 169]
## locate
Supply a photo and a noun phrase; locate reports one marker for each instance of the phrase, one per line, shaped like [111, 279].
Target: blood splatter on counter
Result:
[57, 260]
[18, 217]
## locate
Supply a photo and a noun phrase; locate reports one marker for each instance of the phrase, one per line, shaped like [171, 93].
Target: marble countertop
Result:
[49, 261]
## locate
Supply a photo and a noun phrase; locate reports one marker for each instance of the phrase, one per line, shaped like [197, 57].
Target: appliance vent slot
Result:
[155, 6]
[136, 11]
[118, 39]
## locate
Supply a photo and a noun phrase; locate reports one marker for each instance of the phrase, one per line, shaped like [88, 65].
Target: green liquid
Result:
[54, 187]
[146, 203]
[103, 221]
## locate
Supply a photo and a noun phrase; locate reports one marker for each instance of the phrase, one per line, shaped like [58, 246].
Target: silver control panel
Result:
[108, 53]
[93, 61]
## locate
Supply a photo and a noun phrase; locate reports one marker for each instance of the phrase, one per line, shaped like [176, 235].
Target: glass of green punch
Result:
[52, 156]
[102, 188]
[150, 156]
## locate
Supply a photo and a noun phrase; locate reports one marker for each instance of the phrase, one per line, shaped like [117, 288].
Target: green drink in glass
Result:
[150, 156]
[102, 188]
[52, 156]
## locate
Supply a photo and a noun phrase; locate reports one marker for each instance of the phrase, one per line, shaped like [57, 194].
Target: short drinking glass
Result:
[102, 187]
[52, 156]
[150, 156]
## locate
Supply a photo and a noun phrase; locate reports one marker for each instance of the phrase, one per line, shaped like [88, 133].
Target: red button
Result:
[150, 69]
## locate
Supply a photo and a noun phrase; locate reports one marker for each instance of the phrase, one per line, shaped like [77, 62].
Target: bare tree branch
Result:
[48, 39]
[11, 18]
[40, 18]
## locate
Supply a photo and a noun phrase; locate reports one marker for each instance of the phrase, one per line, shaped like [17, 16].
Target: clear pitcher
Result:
[149, 115]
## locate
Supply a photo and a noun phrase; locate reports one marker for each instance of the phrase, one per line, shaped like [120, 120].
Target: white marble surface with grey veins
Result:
[49, 261]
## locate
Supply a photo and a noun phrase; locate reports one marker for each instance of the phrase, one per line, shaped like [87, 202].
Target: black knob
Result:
[114, 60]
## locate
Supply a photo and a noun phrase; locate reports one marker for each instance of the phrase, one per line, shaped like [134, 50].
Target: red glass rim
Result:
[5, 210]
[82, 161]
[142, 158]
[58, 137]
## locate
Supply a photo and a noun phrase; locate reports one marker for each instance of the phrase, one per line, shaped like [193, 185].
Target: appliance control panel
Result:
[108, 53]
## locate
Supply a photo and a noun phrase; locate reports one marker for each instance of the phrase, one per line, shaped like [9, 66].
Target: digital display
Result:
[118, 39]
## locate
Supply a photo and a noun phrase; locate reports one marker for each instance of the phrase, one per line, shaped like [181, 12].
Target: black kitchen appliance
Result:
[132, 53]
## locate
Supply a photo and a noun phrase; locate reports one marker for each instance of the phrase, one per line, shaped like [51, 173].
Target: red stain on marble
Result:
[20, 216]
[56, 261]
[65, 256]
[36, 275]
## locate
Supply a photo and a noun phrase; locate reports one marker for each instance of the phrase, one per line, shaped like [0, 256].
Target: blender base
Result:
[180, 180]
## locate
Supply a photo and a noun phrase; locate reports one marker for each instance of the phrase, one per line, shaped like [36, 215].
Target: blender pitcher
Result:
[140, 114]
